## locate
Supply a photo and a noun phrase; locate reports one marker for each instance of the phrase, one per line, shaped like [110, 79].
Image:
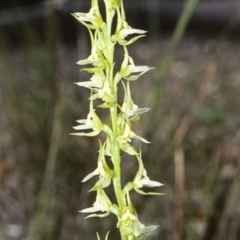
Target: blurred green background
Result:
[194, 124]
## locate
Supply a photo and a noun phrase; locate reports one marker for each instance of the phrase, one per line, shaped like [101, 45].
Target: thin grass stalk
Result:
[178, 33]
[47, 189]
[46, 198]
[190, 6]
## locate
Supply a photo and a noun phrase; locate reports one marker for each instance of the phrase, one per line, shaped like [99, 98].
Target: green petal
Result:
[147, 193]
[91, 134]
[132, 40]
[128, 148]
[99, 215]
[101, 183]
[90, 175]
[146, 231]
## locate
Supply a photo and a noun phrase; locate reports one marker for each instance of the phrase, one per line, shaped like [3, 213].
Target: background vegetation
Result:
[194, 125]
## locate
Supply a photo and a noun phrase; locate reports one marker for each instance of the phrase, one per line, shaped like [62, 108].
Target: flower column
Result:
[104, 86]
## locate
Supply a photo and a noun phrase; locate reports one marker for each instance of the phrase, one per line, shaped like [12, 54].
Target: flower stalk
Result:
[103, 85]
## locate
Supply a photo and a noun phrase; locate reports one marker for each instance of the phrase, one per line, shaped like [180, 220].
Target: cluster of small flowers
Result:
[104, 85]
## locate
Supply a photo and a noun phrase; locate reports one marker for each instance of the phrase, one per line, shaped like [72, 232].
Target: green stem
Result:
[116, 161]
[116, 158]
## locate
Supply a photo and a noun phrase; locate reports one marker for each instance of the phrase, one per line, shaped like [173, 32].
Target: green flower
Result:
[130, 226]
[144, 231]
[92, 19]
[103, 171]
[100, 86]
[105, 93]
[92, 122]
[96, 59]
[125, 133]
[128, 223]
[123, 30]
[129, 70]
[125, 136]
[96, 81]
[142, 180]
[102, 204]
[129, 108]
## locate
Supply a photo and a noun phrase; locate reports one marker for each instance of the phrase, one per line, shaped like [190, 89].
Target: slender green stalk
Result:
[113, 112]
[181, 26]
[190, 6]
[116, 161]
[46, 200]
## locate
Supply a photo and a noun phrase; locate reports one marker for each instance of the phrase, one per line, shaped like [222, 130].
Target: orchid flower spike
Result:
[117, 126]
